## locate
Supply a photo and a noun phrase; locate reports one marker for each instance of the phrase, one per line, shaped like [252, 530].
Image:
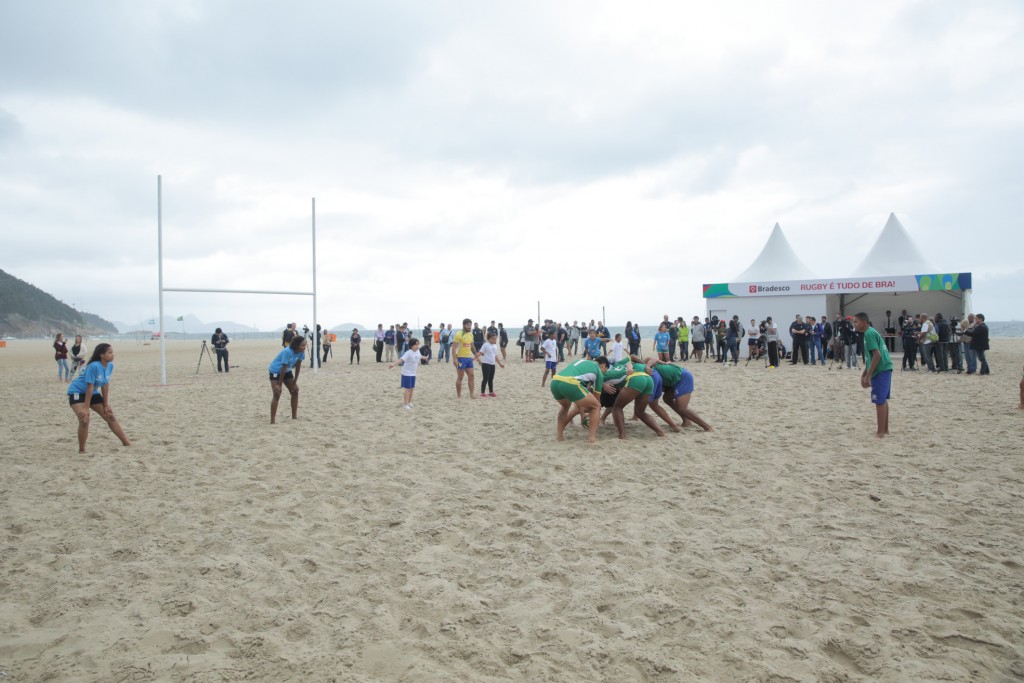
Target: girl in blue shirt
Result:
[284, 370]
[661, 343]
[82, 394]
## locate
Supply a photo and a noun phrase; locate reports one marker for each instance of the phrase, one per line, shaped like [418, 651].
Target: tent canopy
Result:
[894, 252]
[777, 261]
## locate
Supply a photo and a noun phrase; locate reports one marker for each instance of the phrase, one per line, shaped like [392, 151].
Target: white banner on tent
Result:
[805, 287]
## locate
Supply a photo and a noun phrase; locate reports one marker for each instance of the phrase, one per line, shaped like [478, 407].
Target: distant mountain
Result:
[191, 325]
[27, 311]
[347, 328]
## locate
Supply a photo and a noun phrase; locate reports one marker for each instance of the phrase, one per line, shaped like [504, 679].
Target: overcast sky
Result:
[470, 159]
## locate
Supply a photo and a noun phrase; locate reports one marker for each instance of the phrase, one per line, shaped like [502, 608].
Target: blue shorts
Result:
[408, 381]
[881, 387]
[685, 385]
[551, 364]
[465, 363]
[659, 386]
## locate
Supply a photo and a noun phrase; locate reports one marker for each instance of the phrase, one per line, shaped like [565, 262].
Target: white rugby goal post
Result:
[160, 277]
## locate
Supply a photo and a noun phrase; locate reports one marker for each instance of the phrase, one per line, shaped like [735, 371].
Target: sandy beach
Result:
[459, 542]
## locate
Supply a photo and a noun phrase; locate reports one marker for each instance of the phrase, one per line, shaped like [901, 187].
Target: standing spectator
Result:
[288, 334]
[220, 342]
[753, 332]
[633, 338]
[478, 338]
[673, 339]
[697, 338]
[721, 335]
[815, 342]
[574, 338]
[683, 337]
[355, 341]
[967, 331]
[890, 332]
[850, 343]
[925, 338]
[771, 336]
[709, 336]
[561, 336]
[60, 354]
[400, 338]
[378, 341]
[979, 342]
[592, 345]
[826, 337]
[942, 345]
[732, 340]
[390, 339]
[325, 344]
[799, 334]
[428, 339]
[605, 336]
[314, 337]
[661, 339]
[502, 340]
[444, 343]
[529, 340]
[909, 332]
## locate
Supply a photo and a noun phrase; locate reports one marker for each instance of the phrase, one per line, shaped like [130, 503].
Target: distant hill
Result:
[27, 311]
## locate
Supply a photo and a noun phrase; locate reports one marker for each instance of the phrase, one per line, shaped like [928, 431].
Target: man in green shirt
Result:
[877, 371]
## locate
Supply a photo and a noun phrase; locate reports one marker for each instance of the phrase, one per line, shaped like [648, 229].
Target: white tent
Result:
[894, 252]
[893, 276]
[777, 261]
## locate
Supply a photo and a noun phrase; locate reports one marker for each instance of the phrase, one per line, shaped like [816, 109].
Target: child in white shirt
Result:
[409, 361]
[550, 348]
[617, 349]
[488, 357]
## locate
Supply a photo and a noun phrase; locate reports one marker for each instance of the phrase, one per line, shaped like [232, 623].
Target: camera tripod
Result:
[205, 349]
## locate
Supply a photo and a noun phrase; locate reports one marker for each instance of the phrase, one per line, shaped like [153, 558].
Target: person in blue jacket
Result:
[284, 371]
[91, 389]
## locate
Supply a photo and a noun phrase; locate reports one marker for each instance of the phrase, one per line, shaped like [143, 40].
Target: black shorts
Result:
[287, 375]
[80, 398]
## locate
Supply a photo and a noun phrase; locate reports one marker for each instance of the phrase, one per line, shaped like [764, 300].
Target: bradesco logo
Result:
[759, 289]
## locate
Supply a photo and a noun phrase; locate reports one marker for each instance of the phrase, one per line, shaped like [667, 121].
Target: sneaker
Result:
[493, 395]
[407, 406]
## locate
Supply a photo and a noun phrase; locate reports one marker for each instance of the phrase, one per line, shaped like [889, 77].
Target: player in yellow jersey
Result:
[463, 355]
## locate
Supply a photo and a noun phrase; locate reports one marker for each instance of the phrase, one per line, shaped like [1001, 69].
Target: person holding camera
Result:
[850, 342]
[909, 333]
[219, 341]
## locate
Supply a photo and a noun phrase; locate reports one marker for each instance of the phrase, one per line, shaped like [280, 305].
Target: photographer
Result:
[220, 342]
[850, 342]
[942, 347]
[909, 344]
[956, 360]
